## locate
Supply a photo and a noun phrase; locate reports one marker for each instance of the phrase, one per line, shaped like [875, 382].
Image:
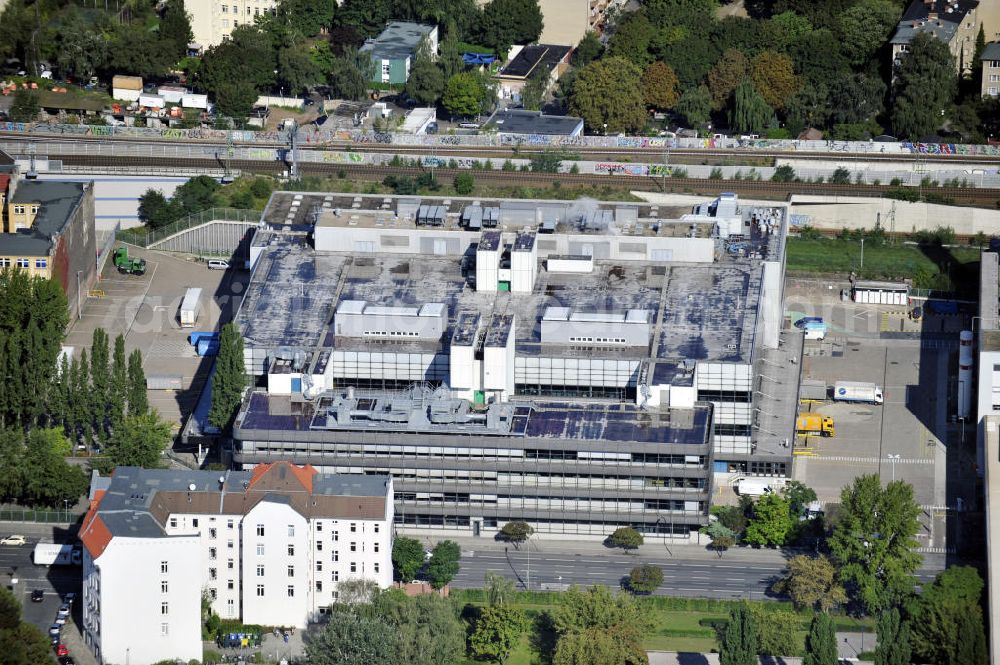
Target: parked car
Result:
[14, 540]
[67, 660]
[61, 650]
[60, 620]
[37, 596]
[63, 610]
[55, 630]
[69, 598]
[218, 264]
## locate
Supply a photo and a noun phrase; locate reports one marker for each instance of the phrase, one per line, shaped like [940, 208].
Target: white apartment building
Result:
[269, 545]
[214, 20]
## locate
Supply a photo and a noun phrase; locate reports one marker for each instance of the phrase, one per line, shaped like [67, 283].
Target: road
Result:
[701, 577]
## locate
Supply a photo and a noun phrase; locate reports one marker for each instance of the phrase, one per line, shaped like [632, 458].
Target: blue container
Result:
[196, 337]
[207, 347]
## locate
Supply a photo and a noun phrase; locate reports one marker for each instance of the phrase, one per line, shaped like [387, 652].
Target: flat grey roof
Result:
[519, 121]
[399, 40]
[58, 201]
[991, 52]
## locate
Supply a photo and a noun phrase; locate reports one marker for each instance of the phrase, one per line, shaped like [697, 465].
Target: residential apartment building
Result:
[48, 230]
[579, 367]
[565, 22]
[269, 546]
[954, 22]
[990, 78]
[214, 20]
[393, 51]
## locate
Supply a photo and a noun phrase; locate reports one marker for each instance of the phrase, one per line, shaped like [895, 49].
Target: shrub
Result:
[783, 173]
[464, 184]
[841, 176]
[645, 578]
[716, 174]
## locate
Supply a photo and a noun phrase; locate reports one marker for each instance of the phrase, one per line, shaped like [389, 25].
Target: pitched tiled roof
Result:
[94, 535]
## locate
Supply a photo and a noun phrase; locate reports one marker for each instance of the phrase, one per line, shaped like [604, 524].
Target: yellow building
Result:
[48, 230]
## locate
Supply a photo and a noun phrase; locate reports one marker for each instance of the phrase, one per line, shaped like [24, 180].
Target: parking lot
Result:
[53, 581]
[910, 436]
[145, 308]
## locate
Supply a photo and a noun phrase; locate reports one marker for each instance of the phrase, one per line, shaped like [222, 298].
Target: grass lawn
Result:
[925, 265]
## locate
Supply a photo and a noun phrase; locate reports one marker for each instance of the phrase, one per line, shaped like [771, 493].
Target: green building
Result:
[392, 52]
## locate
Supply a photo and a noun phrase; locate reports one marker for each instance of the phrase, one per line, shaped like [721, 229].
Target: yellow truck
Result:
[814, 424]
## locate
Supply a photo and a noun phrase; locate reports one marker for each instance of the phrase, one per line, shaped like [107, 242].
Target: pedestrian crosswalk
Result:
[867, 460]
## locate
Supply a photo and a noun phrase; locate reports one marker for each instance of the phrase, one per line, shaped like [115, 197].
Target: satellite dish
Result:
[222, 480]
[192, 487]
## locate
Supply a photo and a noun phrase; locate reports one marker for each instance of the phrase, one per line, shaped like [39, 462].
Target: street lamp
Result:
[79, 307]
[893, 458]
[66, 509]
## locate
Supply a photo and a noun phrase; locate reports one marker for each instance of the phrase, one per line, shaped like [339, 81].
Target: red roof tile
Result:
[304, 474]
[93, 533]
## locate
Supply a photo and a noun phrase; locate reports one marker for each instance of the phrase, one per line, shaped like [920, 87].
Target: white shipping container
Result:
[190, 308]
[171, 94]
[190, 101]
[151, 101]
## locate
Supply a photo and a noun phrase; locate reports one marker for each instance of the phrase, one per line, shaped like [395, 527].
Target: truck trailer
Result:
[813, 390]
[757, 487]
[190, 308]
[814, 424]
[857, 391]
[56, 554]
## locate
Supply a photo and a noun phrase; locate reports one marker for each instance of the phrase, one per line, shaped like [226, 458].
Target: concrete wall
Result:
[992, 486]
[840, 212]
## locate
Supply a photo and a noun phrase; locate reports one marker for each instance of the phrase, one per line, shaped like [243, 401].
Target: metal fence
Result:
[143, 238]
[40, 516]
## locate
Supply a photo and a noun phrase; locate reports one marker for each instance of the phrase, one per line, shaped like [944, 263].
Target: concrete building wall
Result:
[564, 22]
[138, 620]
[992, 487]
[212, 22]
[840, 212]
[74, 257]
[276, 566]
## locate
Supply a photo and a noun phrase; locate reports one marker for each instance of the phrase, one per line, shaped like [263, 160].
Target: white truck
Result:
[190, 308]
[757, 487]
[56, 554]
[857, 391]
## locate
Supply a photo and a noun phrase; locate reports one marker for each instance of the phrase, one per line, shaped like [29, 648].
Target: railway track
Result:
[748, 188]
[734, 156]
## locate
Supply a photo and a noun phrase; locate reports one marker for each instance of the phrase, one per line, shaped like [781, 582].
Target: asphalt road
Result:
[15, 562]
[700, 578]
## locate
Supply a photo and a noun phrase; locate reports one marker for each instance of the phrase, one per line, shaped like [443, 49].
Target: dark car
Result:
[37, 596]
[67, 660]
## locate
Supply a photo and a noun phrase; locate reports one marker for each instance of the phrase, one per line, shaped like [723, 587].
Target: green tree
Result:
[81, 49]
[49, 479]
[25, 107]
[497, 630]
[811, 582]
[860, 97]
[777, 631]
[80, 402]
[865, 27]
[350, 76]
[352, 638]
[498, 589]
[786, 173]
[596, 627]
[443, 565]
[155, 210]
[175, 29]
[632, 38]
[659, 86]
[450, 52]
[10, 610]
[465, 95]
[971, 641]
[770, 523]
[787, 26]
[140, 51]
[533, 94]
[368, 17]
[427, 629]
[504, 23]
[946, 615]
[645, 578]
[407, 558]
[306, 17]
[925, 86]
[893, 639]
[297, 72]
[235, 100]
[140, 441]
[230, 377]
[100, 380]
[464, 184]
[739, 639]
[588, 50]
[24, 645]
[11, 464]
[874, 540]
[247, 58]
[138, 400]
[626, 538]
[821, 642]
[426, 82]
[750, 112]
[516, 532]
[726, 75]
[197, 194]
[797, 494]
[695, 105]
[722, 536]
[607, 95]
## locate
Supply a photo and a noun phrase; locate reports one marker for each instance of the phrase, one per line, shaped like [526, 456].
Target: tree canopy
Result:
[607, 95]
[925, 86]
[812, 583]
[596, 627]
[946, 620]
[407, 557]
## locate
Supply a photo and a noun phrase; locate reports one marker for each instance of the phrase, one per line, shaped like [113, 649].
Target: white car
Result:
[14, 540]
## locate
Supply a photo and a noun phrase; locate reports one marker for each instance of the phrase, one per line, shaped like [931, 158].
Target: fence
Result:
[40, 516]
[138, 236]
[313, 136]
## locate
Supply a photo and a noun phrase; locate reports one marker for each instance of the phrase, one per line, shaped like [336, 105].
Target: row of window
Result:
[391, 333]
[25, 263]
[20, 210]
[597, 340]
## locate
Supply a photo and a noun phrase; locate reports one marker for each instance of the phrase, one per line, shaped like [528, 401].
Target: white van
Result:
[218, 264]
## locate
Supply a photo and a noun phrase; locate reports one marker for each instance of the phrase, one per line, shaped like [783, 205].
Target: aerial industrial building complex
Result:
[577, 365]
